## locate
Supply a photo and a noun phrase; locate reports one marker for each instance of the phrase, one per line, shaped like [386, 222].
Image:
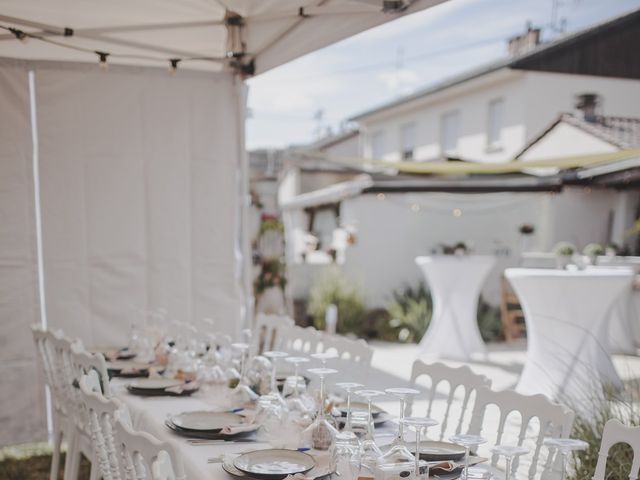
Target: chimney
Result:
[588, 104]
[524, 42]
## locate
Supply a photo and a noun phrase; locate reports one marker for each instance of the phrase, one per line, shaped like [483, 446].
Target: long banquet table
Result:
[149, 414]
[567, 315]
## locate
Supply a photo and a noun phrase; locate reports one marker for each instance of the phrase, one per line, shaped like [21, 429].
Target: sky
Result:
[294, 103]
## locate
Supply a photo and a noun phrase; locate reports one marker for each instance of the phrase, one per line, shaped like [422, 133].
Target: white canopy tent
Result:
[125, 191]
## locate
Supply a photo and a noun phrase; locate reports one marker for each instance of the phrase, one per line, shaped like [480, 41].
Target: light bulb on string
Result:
[103, 60]
[19, 34]
[173, 65]
[415, 207]
[457, 212]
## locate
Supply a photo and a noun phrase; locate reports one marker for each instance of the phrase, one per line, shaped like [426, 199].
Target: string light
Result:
[381, 196]
[457, 212]
[415, 207]
[19, 34]
[173, 65]
[103, 59]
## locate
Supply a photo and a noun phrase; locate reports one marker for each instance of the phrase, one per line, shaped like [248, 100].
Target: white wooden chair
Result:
[615, 432]
[457, 383]
[345, 348]
[143, 457]
[300, 340]
[42, 339]
[536, 417]
[268, 332]
[101, 413]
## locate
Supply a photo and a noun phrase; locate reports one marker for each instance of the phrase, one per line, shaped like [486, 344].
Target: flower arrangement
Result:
[564, 248]
[271, 275]
[459, 248]
[593, 250]
[270, 222]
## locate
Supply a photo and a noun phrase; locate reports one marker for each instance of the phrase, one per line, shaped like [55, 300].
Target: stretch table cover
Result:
[567, 318]
[455, 283]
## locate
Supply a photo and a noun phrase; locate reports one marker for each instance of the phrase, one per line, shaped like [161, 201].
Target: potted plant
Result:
[564, 253]
[592, 252]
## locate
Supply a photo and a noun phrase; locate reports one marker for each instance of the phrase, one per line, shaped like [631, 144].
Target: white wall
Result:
[532, 101]
[390, 234]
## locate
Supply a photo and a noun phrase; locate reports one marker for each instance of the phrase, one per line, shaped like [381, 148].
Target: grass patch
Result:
[33, 462]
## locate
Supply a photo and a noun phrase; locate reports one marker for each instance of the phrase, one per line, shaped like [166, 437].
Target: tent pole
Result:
[244, 257]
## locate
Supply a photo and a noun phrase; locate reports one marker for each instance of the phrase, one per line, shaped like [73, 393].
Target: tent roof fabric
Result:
[203, 34]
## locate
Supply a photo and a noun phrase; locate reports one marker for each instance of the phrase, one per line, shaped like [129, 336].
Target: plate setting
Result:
[205, 421]
[151, 387]
[274, 464]
[433, 451]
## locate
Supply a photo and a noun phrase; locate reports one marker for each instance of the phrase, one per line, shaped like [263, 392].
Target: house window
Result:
[377, 145]
[408, 140]
[450, 125]
[496, 122]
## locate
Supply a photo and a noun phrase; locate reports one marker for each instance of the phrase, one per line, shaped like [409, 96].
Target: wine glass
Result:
[467, 441]
[323, 357]
[274, 356]
[242, 393]
[509, 452]
[419, 424]
[565, 446]
[322, 432]
[348, 387]
[403, 394]
[370, 451]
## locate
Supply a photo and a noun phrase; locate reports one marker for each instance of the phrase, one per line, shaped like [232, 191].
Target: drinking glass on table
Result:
[420, 425]
[467, 441]
[346, 456]
[370, 450]
[322, 432]
[565, 446]
[509, 452]
[242, 393]
[348, 387]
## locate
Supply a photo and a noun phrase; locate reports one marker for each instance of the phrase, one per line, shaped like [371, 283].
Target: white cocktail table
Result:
[567, 317]
[455, 282]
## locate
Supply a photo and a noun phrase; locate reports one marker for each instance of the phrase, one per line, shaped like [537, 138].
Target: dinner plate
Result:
[208, 435]
[433, 451]
[274, 463]
[206, 421]
[359, 407]
[154, 383]
[316, 473]
[377, 420]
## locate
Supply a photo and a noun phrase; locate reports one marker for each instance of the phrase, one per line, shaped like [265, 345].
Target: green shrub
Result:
[409, 315]
[331, 287]
[489, 322]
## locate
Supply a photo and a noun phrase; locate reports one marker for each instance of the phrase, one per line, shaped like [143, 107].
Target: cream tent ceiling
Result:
[202, 34]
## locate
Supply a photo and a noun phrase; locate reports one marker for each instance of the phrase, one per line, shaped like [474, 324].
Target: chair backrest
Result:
[345, 348]
[553, 420]
[300, 340]
[143, 457]
[462, 382]
[101, 412]
[615, 432]
[60, 349]
[84, 362]
[268, 332]
[46, 359]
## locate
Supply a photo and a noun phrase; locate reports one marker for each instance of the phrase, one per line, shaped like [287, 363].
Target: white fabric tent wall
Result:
[139, 176]
[139, 197]
[22, 407]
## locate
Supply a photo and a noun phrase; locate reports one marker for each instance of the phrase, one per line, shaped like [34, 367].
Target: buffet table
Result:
[567, 317]
[455, 282]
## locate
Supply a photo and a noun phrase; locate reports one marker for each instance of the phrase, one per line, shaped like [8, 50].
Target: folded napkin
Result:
[446, 466]
[239, 428]
[185, 387]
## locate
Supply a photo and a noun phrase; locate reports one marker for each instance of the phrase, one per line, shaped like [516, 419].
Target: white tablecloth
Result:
[149, 414]
[567, 329]
[455, 283]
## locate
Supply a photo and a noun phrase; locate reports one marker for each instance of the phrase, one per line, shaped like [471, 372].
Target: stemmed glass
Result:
[370, 451]
[348, 387]
[565, 446]
[419, 424]
[322, 432]
[467, 441]
[243, 393]
[345, 456]
[274, 356]
[403, 394]
[296, 403]
[509, 452]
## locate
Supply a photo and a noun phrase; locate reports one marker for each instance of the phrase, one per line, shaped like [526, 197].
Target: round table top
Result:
[459, 259]
[591, 272]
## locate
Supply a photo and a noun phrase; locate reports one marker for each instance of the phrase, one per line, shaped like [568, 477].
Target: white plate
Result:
[377, 420]
[154, 383]
[436, 451]
[360, 407]
[206, 421]
[274, 462]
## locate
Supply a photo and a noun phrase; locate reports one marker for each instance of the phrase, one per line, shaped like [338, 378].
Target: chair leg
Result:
[95, 470]
[55, 458]
[72, 462]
